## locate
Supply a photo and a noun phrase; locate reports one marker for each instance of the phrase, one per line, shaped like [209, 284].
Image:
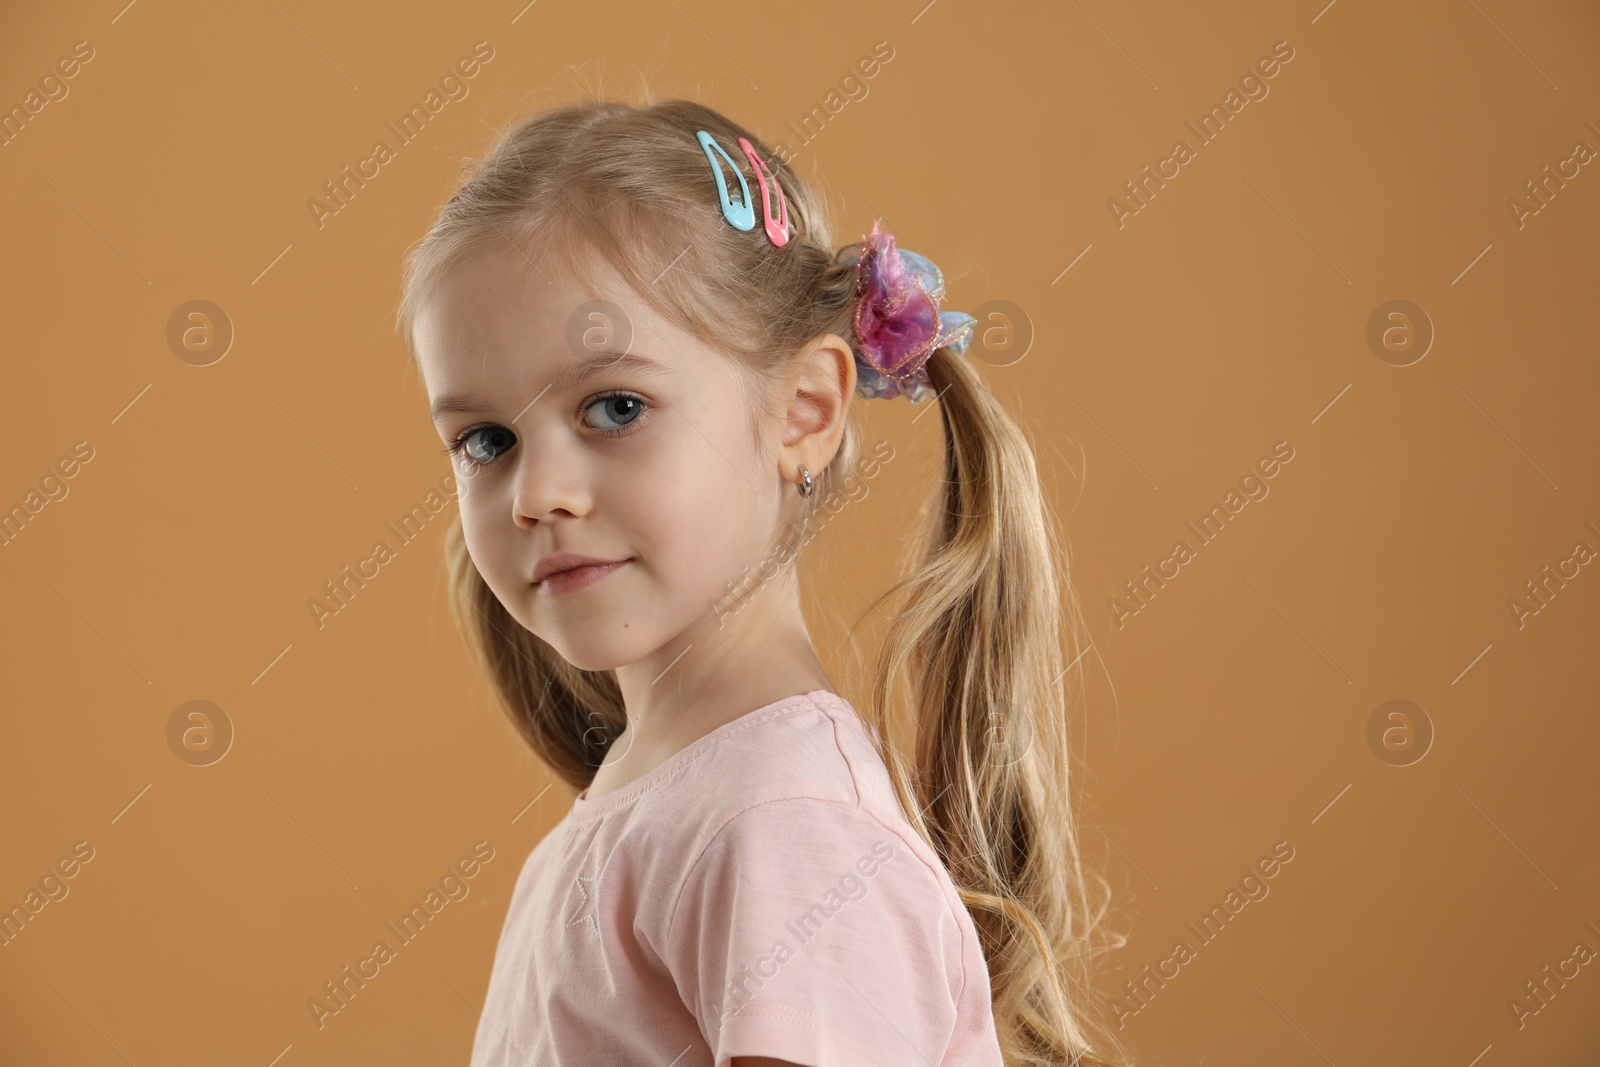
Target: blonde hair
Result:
[973, 657]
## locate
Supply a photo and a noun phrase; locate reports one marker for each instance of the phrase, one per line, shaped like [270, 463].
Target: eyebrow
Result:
[587, 367]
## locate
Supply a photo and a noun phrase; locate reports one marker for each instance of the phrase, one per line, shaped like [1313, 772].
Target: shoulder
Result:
[801, 774]
[803, 834]
[801, 784]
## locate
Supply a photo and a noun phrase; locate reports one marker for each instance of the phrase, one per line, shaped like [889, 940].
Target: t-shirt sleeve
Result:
[809, 931]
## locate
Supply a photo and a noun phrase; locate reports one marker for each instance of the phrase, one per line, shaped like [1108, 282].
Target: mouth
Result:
[564, 582]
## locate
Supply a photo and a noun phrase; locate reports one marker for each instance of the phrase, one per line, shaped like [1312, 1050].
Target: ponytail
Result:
[974, 655]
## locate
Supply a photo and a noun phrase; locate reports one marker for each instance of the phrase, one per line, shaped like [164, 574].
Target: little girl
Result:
[644, 352]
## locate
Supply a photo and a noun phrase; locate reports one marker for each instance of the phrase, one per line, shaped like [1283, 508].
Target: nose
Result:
[550, 483]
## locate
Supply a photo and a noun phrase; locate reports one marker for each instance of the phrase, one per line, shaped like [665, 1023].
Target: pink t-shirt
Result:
[758, 894]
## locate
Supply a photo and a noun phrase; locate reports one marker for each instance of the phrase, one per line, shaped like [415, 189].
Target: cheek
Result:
[487, 530]
[704, 522]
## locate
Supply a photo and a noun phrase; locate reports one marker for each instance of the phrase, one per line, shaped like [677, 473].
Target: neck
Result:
[720, 668]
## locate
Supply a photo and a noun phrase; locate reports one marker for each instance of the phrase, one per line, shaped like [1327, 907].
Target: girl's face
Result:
[561, 447]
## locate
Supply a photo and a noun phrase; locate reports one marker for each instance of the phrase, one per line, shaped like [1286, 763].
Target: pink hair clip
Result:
[777, 229]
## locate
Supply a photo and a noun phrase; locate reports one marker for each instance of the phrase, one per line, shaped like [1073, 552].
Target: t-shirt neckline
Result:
[583, 808]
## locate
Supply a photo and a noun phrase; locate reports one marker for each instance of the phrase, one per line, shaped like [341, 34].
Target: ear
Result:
[817, 396]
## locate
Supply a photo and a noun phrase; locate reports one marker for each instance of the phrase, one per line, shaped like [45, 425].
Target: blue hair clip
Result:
[741, 215]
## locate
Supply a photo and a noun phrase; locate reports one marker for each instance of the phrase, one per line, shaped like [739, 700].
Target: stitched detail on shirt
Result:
[855, 778]
[585, 911]
[808, 1018]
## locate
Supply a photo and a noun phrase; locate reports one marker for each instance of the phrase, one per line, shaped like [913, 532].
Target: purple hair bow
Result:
[897, 321]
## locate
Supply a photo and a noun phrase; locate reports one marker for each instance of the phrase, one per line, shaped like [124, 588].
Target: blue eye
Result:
[483, 444]
[617, 412]
[621, 408]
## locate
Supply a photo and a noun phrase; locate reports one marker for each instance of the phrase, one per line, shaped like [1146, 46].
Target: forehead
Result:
[496, 331]
[495, 310]
[495, 290]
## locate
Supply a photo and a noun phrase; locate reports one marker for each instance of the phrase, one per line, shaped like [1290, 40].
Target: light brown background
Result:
[1228, 315]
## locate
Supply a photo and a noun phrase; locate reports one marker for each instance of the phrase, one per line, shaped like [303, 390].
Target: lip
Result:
[564, 561]
[575, 574]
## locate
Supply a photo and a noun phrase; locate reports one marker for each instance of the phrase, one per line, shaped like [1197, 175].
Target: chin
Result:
[593, 653]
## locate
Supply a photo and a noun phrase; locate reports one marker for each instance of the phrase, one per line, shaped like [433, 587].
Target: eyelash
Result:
[457, 446]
